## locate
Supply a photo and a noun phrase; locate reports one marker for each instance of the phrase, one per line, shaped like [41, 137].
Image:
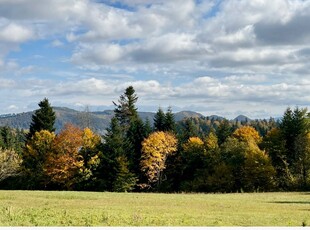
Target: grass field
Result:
[44, 208]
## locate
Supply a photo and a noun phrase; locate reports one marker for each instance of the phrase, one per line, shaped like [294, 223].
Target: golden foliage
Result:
[155, 150]
[10, 163]
[247, 133]
[90, 140]
[39, 145]
[193, 145]
[211, 141]
[259, 172]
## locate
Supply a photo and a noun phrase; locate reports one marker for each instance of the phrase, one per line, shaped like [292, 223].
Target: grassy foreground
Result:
[44, 208]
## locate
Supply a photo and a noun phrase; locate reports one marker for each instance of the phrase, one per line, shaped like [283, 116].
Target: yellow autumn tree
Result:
[155, 150]
[10, 163]
[259, 173]
[211, 142]
[193, 144]
[35, 153]
[90, 152]
[247, 133]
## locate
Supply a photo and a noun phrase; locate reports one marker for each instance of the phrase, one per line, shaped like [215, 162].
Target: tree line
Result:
[194, 155]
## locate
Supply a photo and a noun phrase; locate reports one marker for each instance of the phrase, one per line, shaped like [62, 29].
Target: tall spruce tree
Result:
[223, 131]
[169, 123]
[159, 120]
[114, 147]
[43, 119]
[132, 129]
[126, 110]
[294, 123]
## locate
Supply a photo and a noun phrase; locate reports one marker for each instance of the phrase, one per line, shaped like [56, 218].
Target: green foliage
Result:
[135, 136]
[12, 139]
[224, 131]
[125, 111]
[164, 122]
[159, 120]
[259, 174]
[211, 154]
[43, 118]
[251, 167]
[125, 181]
[302, 164]
[274, 144]
[115, 174]
[169, 122]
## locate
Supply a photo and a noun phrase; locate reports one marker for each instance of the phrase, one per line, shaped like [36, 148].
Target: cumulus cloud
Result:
[15, 33]
[192, 54]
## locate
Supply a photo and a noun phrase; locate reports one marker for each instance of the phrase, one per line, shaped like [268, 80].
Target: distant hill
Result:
[242, 118]
[215, 117]
[98, 120]
[179, 116]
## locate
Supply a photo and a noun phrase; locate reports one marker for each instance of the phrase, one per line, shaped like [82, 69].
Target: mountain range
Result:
[98, 120]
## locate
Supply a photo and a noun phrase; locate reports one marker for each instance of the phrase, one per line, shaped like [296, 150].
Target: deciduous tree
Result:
[247, 133]
[10, 164]
[155, 150]
[36, 151]
[65, 165]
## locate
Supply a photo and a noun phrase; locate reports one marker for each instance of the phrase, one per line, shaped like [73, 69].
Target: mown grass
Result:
[45, 208]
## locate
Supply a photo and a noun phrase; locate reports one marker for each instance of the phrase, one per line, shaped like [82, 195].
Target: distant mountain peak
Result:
[242, 118]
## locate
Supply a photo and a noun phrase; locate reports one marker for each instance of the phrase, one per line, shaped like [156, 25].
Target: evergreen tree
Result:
[159, 120]
[132, 128]
[135, 135]
[43, 119]
[8, 138]
[224, 131]
[294, 128]
[114, 146]
[126, 110]
[169, 122]
[147, 127]
[188, 129]
[125, 180]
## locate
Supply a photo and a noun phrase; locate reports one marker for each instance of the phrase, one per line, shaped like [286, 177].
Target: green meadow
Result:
[56, 208]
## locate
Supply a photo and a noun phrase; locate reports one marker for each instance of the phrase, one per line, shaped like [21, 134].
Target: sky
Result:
[216, 57]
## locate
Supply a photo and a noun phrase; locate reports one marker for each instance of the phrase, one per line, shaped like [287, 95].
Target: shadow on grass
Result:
[291, 202]
[305, 193]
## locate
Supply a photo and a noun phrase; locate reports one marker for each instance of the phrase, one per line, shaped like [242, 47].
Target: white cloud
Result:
[15, 33]
[251, 54]
[13, 108]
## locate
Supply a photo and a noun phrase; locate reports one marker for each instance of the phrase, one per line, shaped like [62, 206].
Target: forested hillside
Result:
[155, 152]
[99, 120]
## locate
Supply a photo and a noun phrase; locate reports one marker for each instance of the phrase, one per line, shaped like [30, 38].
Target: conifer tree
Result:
[126, 110]
[43, 119]
[169, 122]
[159, 120]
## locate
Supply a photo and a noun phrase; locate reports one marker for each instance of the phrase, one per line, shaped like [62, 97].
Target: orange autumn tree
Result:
[69, 162]
[155, 150]
[65, 163]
